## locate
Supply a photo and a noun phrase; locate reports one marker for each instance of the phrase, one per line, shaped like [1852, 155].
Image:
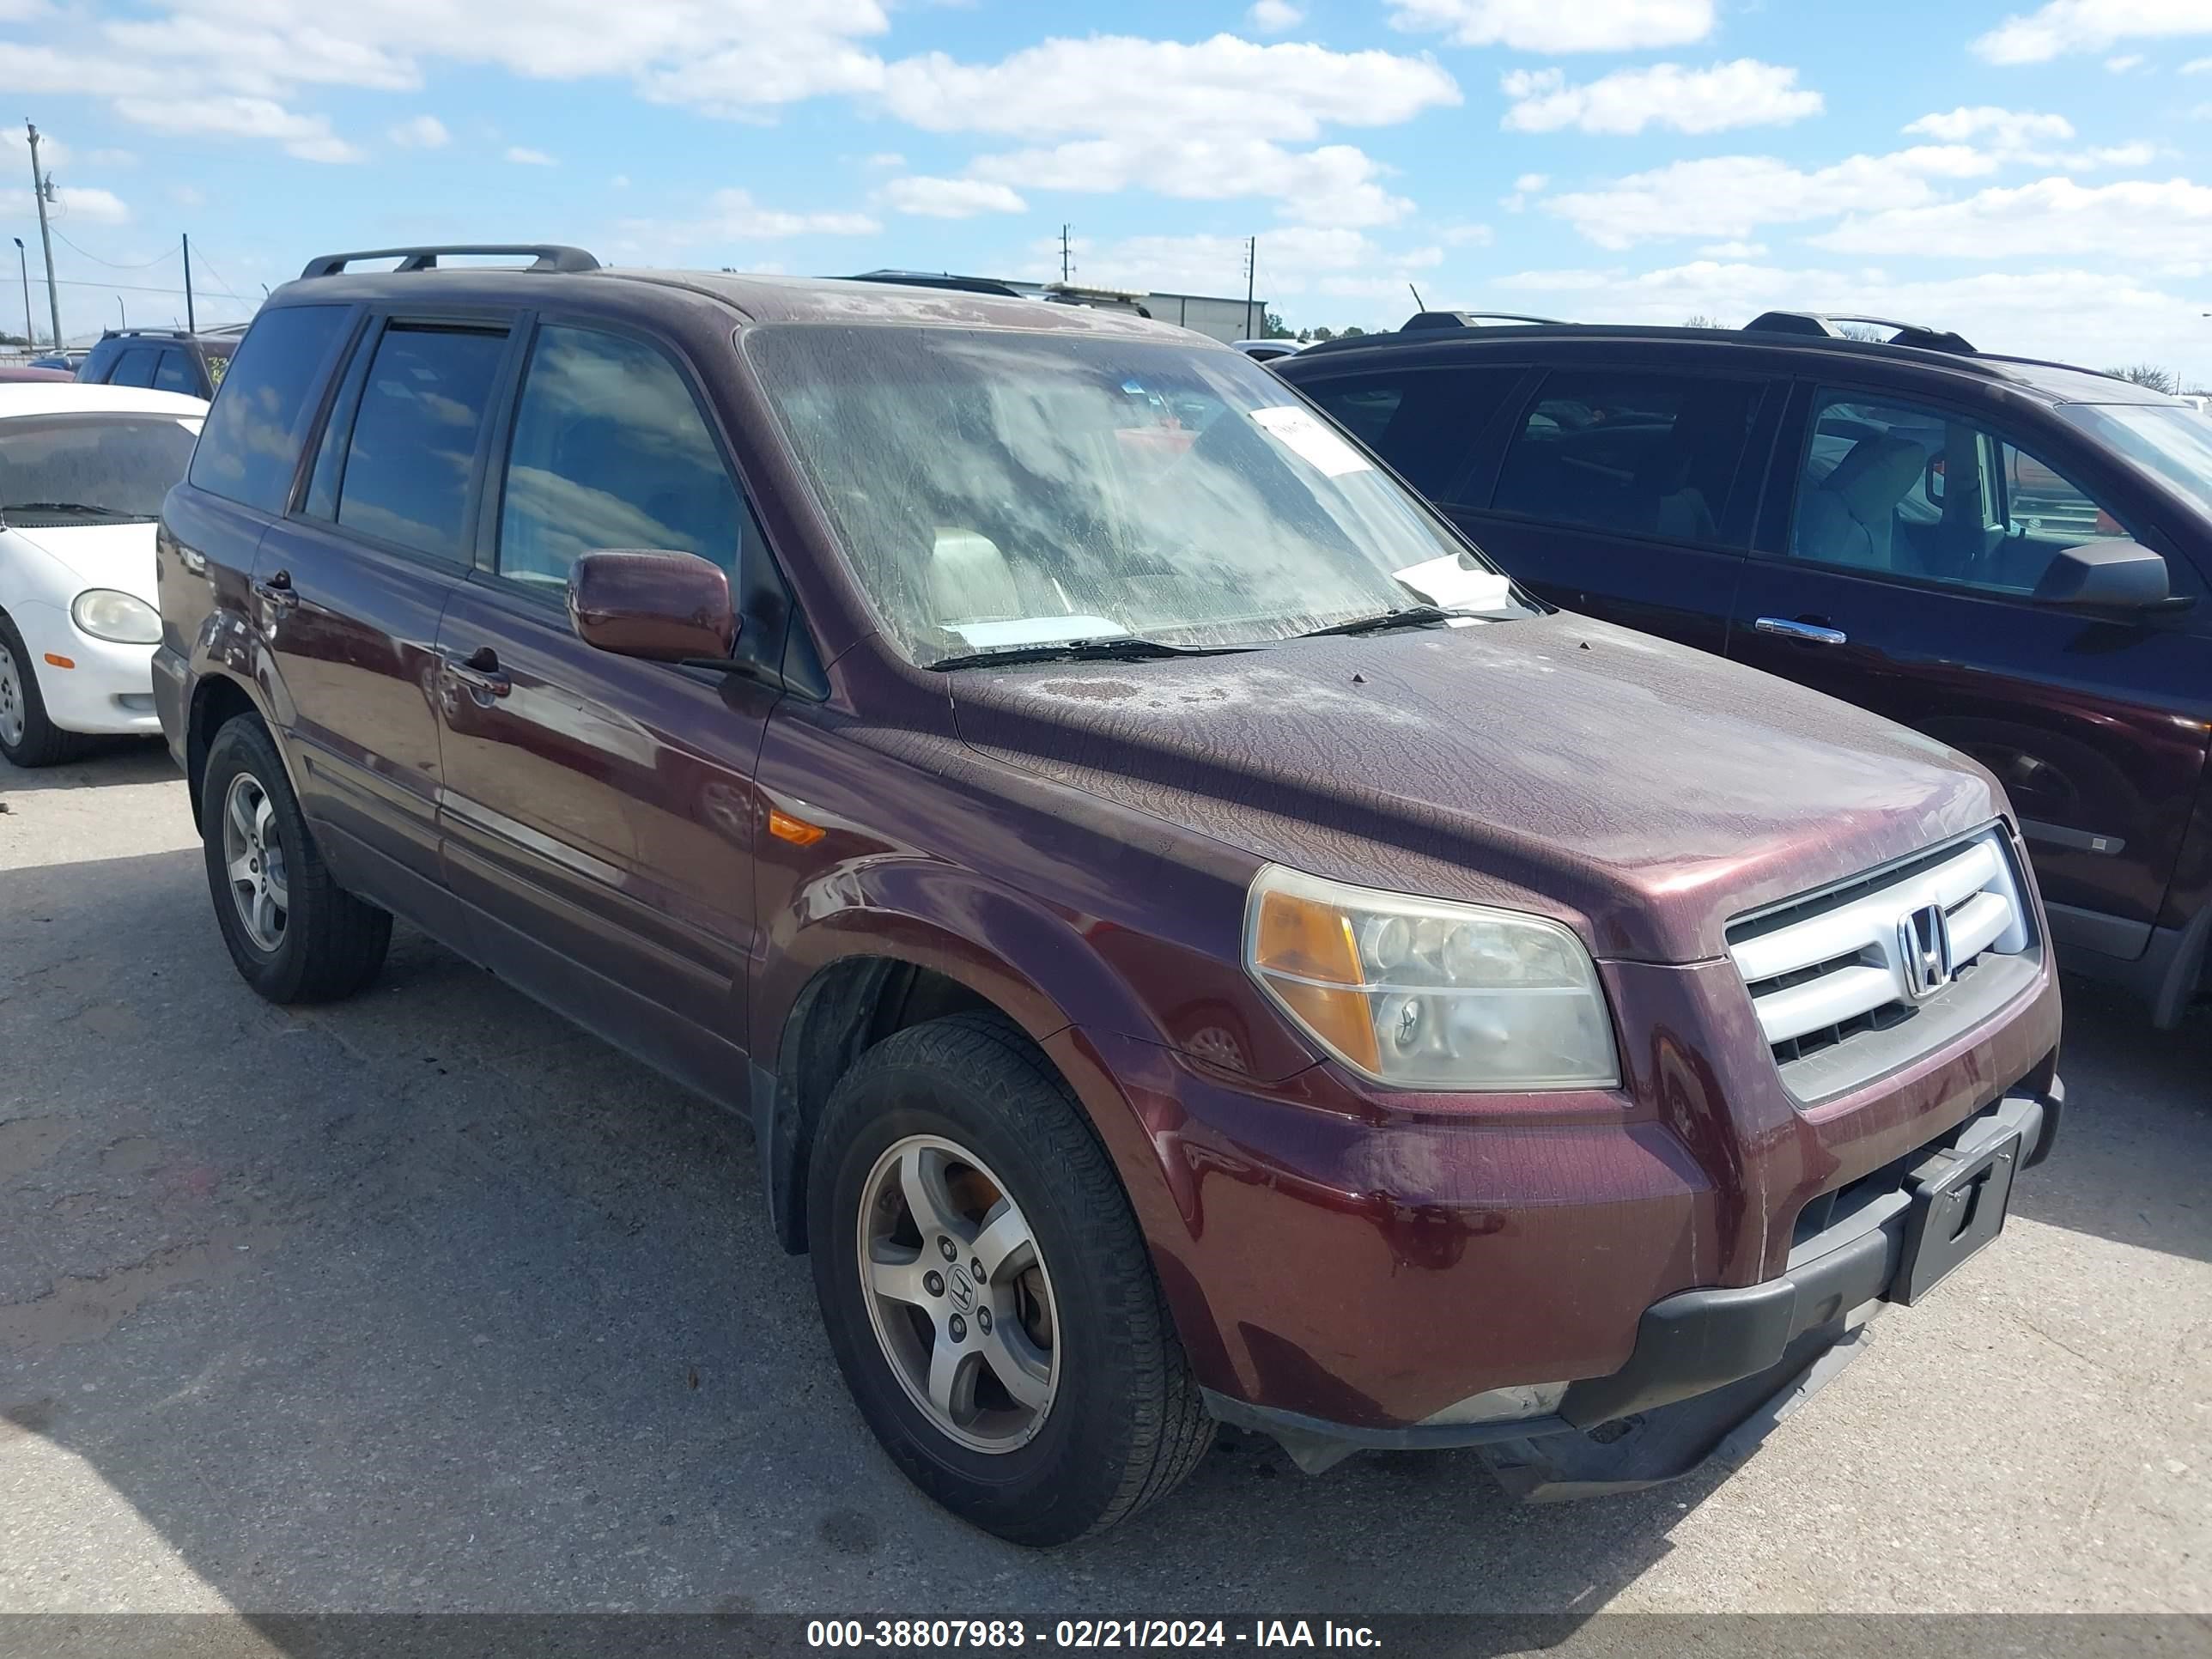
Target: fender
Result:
[226, 652]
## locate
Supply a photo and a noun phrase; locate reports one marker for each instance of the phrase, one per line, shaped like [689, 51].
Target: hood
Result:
[1639, 791]
[118, 555]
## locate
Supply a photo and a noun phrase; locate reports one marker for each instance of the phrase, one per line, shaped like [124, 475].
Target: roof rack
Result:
[940, 279]
[545, 255]
[1824, 324]
[1427, 320]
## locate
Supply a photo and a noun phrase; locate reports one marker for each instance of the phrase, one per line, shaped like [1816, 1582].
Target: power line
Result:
[110, 263]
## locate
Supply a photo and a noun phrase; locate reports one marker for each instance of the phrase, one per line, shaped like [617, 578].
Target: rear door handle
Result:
[276, 593]
[1812, 633]
[480, 671]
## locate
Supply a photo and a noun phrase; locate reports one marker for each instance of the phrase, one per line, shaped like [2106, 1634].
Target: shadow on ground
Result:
[114, 761]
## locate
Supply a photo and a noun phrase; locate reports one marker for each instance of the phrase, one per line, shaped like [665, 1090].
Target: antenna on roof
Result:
[1420, 304]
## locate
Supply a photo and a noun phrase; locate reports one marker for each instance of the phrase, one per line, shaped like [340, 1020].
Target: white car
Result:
[82, 472]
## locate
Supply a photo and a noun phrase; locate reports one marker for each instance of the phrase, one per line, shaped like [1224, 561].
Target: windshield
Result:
[996, 490]
[2173, 441]
[76, 469]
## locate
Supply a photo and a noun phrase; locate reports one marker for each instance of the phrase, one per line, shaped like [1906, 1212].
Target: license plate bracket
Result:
[1959, 1205]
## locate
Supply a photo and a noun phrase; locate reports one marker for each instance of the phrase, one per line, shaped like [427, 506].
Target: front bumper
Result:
[109, 691]
[1713, 1370]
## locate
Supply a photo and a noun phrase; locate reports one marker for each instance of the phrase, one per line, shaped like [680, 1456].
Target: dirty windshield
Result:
[1000, 490]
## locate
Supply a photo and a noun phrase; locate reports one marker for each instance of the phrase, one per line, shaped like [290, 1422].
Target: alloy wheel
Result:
[959, 1294]
[253, 857]
[11, 697]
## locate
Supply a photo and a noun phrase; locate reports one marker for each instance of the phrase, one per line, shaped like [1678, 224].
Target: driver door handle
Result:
[1812, 633]
[276, 593]
[480, 671]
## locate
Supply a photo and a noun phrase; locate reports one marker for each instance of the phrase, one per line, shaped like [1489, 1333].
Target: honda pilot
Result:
[1196, 942]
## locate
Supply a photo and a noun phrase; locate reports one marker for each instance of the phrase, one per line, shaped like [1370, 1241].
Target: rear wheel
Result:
[295, 935]
[987, 1292]
[27, 737]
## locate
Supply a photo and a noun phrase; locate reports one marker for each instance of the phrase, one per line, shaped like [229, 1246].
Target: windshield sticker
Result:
[1451, 584]
[1297, 430]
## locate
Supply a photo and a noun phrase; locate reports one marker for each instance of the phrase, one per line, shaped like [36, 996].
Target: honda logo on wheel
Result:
[1924, 947]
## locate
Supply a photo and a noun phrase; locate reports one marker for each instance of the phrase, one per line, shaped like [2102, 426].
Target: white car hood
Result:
[118, 555]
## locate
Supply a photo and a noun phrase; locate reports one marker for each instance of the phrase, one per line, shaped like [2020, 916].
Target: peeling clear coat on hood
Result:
[1641, 792]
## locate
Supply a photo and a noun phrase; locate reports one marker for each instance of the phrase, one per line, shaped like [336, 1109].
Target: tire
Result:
[1122, 1422]
[27, 737]
[319, 943]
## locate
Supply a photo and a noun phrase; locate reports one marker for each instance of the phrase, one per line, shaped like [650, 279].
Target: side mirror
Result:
[2108, 575]
[663, 607]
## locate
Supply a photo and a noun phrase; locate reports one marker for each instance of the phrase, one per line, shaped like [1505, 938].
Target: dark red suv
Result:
[1196, 943]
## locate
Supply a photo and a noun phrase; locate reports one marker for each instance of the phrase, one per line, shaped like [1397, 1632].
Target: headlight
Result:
[116, 617]
[1425, 994]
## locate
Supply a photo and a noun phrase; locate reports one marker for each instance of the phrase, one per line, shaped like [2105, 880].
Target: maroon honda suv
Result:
[1196, 944]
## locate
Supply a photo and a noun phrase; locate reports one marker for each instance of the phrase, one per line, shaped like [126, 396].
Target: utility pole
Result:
[1251, 276]
[190, 326]
[1066, 263]
[42, 189]
[23, 265]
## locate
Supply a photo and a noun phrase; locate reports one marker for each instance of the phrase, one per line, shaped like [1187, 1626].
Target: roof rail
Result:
[940, 279]
[545, 256]
[1426, 320]
[1824, 324]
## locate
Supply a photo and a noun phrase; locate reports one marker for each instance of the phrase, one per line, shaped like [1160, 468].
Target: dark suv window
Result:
[1422, 421]
[610, 450]
[254, 430]
[134, 366]
[414, 444]
[174, 373]
[1636, 454]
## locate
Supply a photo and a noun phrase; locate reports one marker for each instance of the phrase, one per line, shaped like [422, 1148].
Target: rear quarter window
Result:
[1423, 421]
[259, 420]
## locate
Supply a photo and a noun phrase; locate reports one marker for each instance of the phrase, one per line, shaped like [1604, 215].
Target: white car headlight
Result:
[118, 618]
[1427, 993]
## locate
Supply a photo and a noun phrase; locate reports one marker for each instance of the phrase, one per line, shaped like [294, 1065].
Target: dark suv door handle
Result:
[480, 671]
[1812, 633]
[276, 593]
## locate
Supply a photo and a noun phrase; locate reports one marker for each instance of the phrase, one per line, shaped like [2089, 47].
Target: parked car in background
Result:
[66, 359]
[1196, 942]
[30, 374]
[2011, 556]
[1268, 351]
[165, 359]
[82, 471]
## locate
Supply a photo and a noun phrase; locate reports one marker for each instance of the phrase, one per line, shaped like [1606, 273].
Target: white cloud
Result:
[2067, 25]
[188, 196]
[1743, 93]
[522, 155]
[1292, 261]
[1559, 25]
[1531, 182]
[1727, 198]
[419, 132]
[2117, 221]
[733, 216]
[1734, 251]
[2001, 129]
[1273, 17]
[952, 198]
[308, 137]
[886, 159]
[1332, 185]
[98, 207]
[2123, 64]
[2197, 66]
[620, 181]
[2080, 316]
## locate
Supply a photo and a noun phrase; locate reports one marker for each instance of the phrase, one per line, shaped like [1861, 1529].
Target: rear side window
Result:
[174, 373]
[414, 447]
[254, 431]
[609, 451]
[1423, 421]
[1636, 454]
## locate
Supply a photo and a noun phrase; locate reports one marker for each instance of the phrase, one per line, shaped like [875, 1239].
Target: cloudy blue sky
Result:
[2039, 177]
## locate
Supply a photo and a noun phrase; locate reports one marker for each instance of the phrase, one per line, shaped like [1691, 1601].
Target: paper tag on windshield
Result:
[1297, 430]
[1452, 586]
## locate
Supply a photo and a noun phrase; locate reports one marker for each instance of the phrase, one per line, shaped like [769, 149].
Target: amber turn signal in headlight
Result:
[1428, 994]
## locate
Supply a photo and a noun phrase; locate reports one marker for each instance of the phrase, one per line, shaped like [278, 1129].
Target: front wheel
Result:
[295, 935]
[27, 737]
[987, 1292]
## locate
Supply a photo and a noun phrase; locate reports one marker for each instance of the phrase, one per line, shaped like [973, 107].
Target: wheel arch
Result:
[217, 698]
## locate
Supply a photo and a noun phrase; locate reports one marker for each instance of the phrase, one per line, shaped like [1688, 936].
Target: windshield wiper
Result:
[1410, 616]
[1113, 650]
[69, 507]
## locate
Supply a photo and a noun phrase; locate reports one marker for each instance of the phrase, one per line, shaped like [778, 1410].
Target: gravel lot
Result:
[429, 1301]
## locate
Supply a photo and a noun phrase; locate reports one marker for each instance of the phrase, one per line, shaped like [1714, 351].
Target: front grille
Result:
[1831, 975]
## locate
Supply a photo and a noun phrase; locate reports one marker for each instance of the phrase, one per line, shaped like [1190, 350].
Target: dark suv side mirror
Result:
[663, 607]
[2111, 575]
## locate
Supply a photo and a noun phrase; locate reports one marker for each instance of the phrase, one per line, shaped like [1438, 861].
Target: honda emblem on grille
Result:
[1924, 947]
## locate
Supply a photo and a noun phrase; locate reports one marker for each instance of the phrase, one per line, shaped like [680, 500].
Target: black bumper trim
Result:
[1699, 1341]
